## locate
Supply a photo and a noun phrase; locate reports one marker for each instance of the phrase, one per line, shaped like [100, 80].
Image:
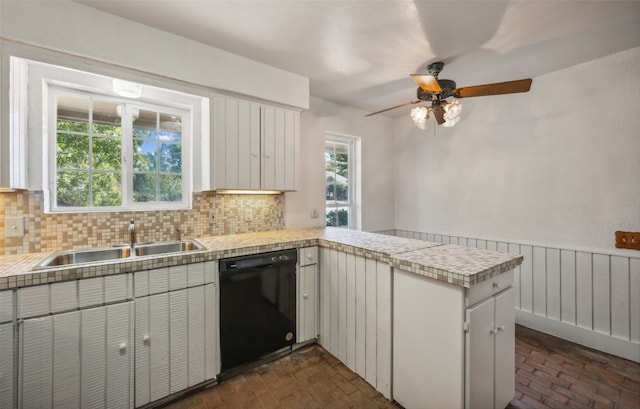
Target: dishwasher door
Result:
[257, 307]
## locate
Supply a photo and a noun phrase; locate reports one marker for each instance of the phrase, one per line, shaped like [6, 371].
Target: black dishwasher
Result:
[257, 306]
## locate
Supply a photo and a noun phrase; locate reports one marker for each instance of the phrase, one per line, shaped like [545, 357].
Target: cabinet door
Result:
[308, 303]
[36, 359]
[236, 144]
[479, 356]
[152, 348]
[505, 348]
[280, 138]
[6, 363]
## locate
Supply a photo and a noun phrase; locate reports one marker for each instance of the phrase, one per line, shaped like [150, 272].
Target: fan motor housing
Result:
[447, 88]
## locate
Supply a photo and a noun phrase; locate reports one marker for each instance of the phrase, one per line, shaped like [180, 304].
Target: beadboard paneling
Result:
[558, 289]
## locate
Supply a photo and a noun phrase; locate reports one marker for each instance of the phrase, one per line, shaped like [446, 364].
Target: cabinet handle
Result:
[305, 295]
[309, 256]
[496, 285]
[500, 328]
[255, 155]
[146, 339]
[493, 331]
[266, 155]
[123, 347]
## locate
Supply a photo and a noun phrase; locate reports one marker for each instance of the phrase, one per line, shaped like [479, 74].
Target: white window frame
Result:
[353, 168]
[35, 118]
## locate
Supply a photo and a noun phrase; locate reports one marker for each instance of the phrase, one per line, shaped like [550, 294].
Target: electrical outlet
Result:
[14, 227]
[212, 216]
[628, 240]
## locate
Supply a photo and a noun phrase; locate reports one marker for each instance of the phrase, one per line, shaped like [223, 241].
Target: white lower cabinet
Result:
[77, 359]
[355, 314]
[175, 331]
[308, 302]
[490, 352]
[453, 347]
[7, 349]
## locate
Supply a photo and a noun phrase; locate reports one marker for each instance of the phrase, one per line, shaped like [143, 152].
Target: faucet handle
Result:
[178, 233]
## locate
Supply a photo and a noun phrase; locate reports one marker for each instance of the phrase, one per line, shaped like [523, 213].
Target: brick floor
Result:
[554, 373]
[549, 373]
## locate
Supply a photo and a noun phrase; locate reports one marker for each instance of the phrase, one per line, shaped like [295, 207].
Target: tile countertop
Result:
[459, 265]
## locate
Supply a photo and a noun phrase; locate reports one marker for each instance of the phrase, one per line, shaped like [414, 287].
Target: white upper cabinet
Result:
[255, 146]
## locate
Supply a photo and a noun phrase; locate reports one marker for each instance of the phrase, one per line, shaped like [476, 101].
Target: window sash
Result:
[127, 146]
[348, 148]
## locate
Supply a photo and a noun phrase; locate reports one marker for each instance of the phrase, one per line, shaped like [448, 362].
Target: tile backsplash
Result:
[59, 231]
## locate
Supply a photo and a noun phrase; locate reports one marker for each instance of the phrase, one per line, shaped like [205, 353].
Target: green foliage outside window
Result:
[89, 161]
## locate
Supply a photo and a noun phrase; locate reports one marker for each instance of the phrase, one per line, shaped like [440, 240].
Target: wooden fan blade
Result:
[499, 88]
[427, 82]
[415, 101]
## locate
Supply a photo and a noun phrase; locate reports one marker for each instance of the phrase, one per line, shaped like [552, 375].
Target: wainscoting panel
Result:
[589, 298]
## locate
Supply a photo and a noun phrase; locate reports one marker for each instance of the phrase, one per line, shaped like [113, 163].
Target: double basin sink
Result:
[118, 252]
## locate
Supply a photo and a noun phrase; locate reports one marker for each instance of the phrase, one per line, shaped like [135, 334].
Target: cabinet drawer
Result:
[6, 306]
[489, 287]
[308, 256]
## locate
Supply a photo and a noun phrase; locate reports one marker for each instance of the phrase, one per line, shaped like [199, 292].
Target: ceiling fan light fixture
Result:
[420, 115]
[452, 110]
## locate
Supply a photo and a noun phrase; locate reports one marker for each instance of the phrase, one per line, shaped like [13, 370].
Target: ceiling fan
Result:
[434, 90]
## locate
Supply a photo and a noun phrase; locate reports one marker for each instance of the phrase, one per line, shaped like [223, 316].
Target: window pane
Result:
[144, 158]
[72, 189]
[107, 154]
[170, 188]
[107, 189]
[144, 187]
[338, 217]
[337, 172]
[72, 112]
[171, 158]
[72, 151]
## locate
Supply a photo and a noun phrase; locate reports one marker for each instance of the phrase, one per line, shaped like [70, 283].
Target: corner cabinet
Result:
[255, 146]
[454, 347]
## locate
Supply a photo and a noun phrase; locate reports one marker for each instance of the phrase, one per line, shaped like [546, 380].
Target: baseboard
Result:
[603, 342]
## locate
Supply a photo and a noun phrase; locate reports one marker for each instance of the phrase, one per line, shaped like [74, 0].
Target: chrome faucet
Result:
[132, 236]
[178, 234]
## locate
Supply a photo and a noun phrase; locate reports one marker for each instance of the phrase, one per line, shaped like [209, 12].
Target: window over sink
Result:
[108, 144]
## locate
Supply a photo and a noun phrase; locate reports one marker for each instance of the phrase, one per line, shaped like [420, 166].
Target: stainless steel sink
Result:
[94, 255]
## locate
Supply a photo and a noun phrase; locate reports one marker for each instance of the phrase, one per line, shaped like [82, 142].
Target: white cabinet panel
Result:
[255, 146]
[63, 296]
[6, 363]
[308, 303]
[505, 353]
[77, 359]
[356, 314]
[94, 364]
[6, 306]
[36, 359]
[175, 340]
[479, 356]
[66, 360]
[33, 301]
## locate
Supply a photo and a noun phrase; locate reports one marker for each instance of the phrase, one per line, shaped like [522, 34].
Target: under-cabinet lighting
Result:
[248, 192]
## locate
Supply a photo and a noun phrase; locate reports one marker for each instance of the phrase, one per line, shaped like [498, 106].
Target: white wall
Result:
[558, 166]
[83, 31]
[377, 165]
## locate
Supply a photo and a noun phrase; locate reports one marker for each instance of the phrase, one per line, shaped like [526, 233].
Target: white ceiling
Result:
[360, 53]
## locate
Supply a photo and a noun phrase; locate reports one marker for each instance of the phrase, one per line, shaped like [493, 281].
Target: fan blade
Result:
[415, 101]
[438, 113]
[427, 82]
[499, 88]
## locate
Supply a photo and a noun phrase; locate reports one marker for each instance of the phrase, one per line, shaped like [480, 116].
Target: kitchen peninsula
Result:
[372, 289]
